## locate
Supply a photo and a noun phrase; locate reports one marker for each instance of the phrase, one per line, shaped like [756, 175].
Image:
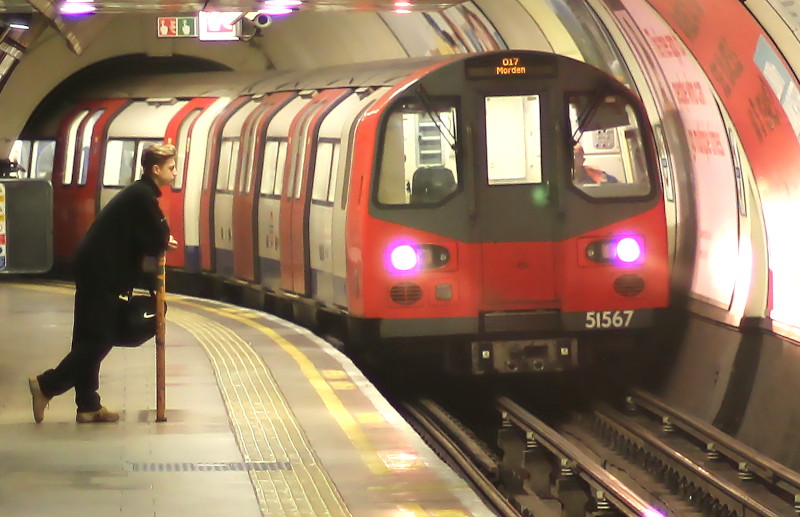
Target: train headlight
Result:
[628, 250]
[404, 257]
[623, 250]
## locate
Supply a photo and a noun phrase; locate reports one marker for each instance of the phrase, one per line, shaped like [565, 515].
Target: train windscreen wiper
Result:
[425, 99]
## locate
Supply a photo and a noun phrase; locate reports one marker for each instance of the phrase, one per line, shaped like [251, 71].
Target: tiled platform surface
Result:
[263, 418]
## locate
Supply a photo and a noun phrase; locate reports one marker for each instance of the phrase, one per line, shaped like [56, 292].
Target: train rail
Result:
[647, 460]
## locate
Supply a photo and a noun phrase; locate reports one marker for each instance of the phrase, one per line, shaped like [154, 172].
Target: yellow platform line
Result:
[264, 425]
[346, 421]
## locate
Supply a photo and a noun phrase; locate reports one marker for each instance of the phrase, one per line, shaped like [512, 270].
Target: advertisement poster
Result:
[759, 93]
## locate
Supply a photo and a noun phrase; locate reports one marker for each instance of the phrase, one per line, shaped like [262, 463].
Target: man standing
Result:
[108, 262]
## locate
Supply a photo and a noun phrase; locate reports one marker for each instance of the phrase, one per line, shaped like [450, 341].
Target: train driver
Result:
[586, 175]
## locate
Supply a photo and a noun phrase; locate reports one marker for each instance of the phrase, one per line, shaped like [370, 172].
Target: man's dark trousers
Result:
[92, 338]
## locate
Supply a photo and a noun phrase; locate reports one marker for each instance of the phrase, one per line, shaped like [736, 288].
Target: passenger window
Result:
[418, 159]
[140, 147]
[282, 152]
[513, 139]
[21, 154]
[269, 166]
[43, 154]
[72, 144]
[224, 164]
[608, 157]
[182, 148]
[322, 171]
[86, 143]
[119, 166]
[334, 173]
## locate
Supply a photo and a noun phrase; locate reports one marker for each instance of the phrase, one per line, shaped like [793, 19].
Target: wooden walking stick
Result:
[161, 330]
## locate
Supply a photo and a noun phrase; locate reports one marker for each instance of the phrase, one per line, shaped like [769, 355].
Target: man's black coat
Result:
[129, 227]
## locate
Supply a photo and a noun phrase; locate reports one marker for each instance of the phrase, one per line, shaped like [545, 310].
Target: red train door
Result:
[210, 181]
[179, 133]
[295, 277]
[246, 196]
[76, 175]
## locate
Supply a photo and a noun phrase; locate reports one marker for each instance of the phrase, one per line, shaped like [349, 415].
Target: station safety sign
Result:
[3, 227]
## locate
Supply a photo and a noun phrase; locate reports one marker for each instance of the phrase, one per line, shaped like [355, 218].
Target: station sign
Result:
[177, 27]
[219, 26]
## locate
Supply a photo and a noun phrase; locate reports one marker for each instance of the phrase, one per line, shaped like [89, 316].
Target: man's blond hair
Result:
[156, 154]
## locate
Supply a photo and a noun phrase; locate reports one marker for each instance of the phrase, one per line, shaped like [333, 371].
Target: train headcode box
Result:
[177, 27]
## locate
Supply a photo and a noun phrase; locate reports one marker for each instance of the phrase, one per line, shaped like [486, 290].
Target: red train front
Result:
[476, 219]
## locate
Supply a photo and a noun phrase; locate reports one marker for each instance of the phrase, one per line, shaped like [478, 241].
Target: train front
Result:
[514, 215]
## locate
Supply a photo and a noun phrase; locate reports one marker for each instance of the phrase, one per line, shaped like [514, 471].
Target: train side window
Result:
[418, 160]
[21, 154]
[269, 166]
[72, 144]
[513, 139]
[182, 148]
[86, 143]
[140, 147]
[334, 173]
[43, 154]
[322, 171]
[119, 166]
[608, 156]
[224, 165]
[283, 150]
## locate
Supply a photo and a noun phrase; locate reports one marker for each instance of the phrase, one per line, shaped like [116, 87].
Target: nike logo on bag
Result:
[148, 316]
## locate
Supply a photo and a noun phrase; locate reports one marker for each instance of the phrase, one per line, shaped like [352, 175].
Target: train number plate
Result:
[602, 320]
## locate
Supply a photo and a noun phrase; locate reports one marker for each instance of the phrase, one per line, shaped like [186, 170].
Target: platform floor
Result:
[263, 418]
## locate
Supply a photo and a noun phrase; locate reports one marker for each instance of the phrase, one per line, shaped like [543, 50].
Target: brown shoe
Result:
[101, 415]
[40, 401]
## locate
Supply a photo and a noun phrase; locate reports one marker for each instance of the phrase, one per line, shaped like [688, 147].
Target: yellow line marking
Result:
[347, 422]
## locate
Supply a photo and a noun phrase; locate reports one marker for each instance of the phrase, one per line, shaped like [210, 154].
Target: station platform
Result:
[263, 418]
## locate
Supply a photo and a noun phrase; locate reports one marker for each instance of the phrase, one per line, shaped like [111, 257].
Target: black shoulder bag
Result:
[136, 319]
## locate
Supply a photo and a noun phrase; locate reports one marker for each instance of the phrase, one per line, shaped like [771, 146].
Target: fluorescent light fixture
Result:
[282, 3]
[275, 11]
[402, 4]
[75, 8]
[18, 26]
[402, 11]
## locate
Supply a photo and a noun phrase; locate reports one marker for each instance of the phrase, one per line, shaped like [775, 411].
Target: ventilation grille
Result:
[406, 293]
[629, 285]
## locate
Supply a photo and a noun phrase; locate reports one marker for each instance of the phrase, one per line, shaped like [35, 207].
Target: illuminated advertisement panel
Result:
[681, 86]
[758, 92]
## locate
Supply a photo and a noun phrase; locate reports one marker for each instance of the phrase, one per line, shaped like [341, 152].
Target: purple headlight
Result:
[628, 250]
[403, 257]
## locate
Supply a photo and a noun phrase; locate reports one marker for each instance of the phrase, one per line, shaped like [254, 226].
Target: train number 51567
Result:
[608, 319]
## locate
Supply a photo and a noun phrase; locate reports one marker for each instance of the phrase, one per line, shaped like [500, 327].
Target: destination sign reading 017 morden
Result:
[505, 66]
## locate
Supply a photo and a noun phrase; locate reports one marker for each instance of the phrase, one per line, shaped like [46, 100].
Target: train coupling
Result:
[524, 356]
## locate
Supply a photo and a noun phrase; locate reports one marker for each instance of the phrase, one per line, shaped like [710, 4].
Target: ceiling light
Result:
[282, 3]
[71, 7]
[275, 11]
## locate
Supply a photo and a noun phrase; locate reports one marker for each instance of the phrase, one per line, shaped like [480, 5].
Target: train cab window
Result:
[86, 142]
[72, 144]
[608, 157]
[513, 139]
[119, 167]
[418, 158]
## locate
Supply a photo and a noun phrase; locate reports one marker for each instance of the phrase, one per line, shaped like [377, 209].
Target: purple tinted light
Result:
[275, 11]
[75, 8]
[628, 250]
[403, 257]
[282, 3]
[650, 512]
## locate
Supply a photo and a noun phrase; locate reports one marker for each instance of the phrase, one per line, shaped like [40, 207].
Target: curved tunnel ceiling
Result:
[717, 77]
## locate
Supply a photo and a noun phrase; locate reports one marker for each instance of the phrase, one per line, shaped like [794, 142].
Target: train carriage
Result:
[498, 210]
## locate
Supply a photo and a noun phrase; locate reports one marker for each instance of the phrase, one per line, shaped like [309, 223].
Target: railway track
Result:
[645, 460]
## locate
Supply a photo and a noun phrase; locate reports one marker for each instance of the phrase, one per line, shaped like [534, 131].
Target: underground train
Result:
[494, 213]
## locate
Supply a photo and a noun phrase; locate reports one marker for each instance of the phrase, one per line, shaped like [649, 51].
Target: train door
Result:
[179, 131]
[269, 201]
[516, 211]
[196, 166]
[208, 192]
[244, 205]
[75, 175]
[327, 213]
[296, 201]
[229, 155]
[137, 126]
